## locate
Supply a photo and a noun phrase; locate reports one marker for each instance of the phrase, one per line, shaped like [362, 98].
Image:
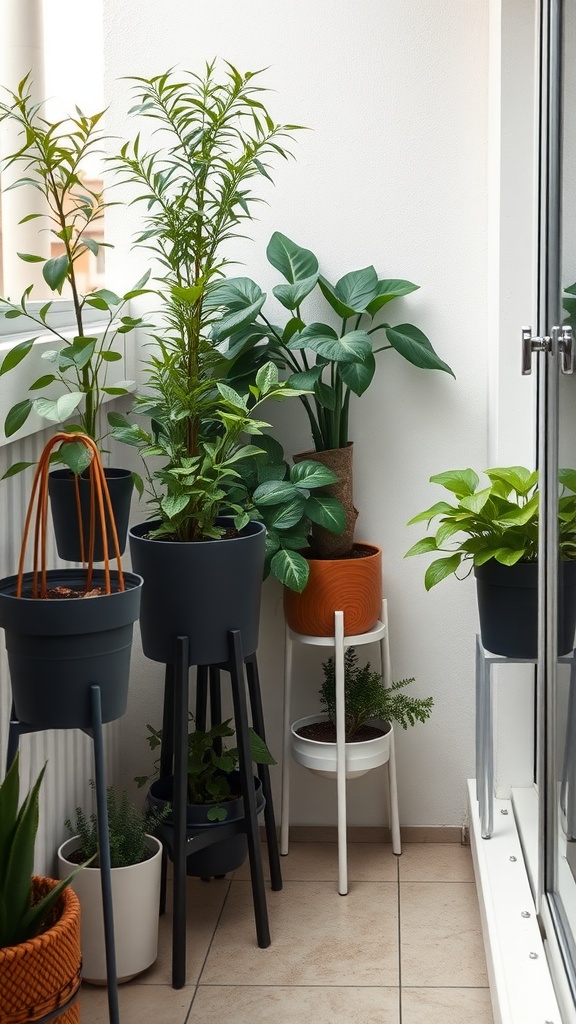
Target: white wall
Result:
[393, 172]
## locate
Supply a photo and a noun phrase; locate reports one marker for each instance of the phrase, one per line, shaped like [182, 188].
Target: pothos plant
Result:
[53, 156]
[210, 764]
[497, 522]
[217, 136]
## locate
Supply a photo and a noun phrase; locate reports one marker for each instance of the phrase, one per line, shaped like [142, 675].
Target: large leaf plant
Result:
[498, 521]
[53, 158]
[332, 360]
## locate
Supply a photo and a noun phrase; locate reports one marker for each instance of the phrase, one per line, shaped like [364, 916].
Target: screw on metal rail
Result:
[525, 913]
[513, 859]
[504, 811]
[533, 956]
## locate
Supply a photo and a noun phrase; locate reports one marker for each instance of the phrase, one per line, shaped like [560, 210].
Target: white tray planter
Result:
[135, 899]
[321, 757]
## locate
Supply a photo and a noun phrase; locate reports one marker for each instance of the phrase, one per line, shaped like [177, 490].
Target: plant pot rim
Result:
[131, 580]
[252, 529]
[73, 842]
[380, 723]
[375, 550]
[113, 472]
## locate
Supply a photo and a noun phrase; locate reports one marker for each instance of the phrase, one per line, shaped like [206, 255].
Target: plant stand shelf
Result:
[174, 758]
[485, 661]
[339, 642]
[16, 730]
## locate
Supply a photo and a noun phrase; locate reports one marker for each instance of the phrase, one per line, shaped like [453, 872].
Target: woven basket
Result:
[38, 976]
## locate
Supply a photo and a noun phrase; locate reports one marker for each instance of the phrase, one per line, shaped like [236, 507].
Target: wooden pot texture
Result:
[350, 585]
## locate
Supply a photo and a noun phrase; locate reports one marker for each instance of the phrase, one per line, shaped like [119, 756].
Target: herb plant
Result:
[497, 522]
[127, 827]
[210, 764]
[366, 698]
[53, 156]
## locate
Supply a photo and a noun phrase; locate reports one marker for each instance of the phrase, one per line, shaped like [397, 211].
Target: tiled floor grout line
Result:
[200, 972]
[399, 944]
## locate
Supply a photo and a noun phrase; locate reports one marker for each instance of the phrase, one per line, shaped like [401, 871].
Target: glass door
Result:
[557, 460]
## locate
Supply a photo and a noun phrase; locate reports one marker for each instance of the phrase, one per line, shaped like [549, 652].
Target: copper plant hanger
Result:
[100, 506]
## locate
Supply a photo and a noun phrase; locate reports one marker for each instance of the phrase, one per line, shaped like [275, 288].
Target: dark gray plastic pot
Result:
[57, 649]
[220, 857]
[200, 590]
[62, 492]
[508, 607]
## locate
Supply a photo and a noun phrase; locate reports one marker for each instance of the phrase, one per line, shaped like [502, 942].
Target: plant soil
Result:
[358, 551]
[325, 732]
[78, 857]
[230, 533]
[64, 593]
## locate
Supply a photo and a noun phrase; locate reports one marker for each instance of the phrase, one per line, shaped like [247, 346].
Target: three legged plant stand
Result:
[339, 642]
[94, 730]
[174, 758]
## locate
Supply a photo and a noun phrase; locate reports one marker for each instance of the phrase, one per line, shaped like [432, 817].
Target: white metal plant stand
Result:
[340, 643]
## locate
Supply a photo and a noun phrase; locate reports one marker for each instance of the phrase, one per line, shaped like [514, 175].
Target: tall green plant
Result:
[196, 192]
[53, 156]
[20, 918]
[332, 362]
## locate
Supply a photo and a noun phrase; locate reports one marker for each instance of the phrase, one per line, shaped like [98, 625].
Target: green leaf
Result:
[355, 346]
[422, 547]
[59, 410]
[357, 288]
[54, 272]
[274, 492]
[15, 355]
[519, 517]
[332, 297]
[310, 474]
[325, 395]
[236, 320]
[287, 514]
[440, 508]
[518, 478]
[440, 569]
[188, 295]
[172, 505]
[18, 467]
[291, 568]
[327, 512]
[292, 295]
[29, 258]
[267, 377]
[476, 502]
[17, 416]
[293, 262]
[75, 455]
[461, 482]
[42, 382]
[306, 379]
[411, 343]
[388, 290]
[110, 298]
[231, 396]
[358, 376]
[508, 557]
[110, 356]
[567, 478]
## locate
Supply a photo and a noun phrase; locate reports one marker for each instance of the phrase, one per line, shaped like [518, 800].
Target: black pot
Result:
[57, 649]
[220, 857]
[62, 492]
[200, 590]
[508, 607]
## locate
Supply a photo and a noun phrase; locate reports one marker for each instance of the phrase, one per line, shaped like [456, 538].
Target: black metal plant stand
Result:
[18, 729]
[174, 757]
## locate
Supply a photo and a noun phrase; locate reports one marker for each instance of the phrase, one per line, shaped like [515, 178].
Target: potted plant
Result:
[76, 623]
[213, 797]
[136, 862]
[334, 363]
[197, 193]
[40, 955]
[76, 378]
[493, 530]
[370, 708]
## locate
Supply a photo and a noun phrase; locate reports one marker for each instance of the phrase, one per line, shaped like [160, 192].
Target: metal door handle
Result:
[565, 342]
[530, 345]
[561, 340]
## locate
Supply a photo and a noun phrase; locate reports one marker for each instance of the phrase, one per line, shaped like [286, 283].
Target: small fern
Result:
[366, 698]
[127, 826]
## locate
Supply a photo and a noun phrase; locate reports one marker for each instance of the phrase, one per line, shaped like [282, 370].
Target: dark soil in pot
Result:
[325, 732]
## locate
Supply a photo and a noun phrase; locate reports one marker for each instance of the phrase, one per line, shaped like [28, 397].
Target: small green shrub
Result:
[127, 825]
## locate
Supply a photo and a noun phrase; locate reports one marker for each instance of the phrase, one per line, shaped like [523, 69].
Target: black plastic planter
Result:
[508, 607]
[62, 492]
[220, 857]
[57, 649]
[200, 590]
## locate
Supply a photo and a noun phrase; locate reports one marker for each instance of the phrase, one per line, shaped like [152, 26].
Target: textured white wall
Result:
[393, 172]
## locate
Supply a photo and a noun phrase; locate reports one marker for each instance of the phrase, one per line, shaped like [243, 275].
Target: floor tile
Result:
[318, 862]
[441, 938]
[204, 902]
[318, 937]
[446, 1006]
[436, 862]
[139, 1004]
[262, 1004]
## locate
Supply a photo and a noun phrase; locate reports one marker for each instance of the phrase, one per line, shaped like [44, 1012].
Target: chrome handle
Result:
[530, 345]
[565, 342]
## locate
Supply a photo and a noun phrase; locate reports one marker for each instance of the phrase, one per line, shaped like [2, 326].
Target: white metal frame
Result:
[378, 634]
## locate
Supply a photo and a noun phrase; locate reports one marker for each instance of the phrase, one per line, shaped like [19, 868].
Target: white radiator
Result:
[68, 753]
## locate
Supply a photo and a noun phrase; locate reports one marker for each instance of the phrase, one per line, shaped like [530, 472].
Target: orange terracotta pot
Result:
[350, 585]
[41, 974]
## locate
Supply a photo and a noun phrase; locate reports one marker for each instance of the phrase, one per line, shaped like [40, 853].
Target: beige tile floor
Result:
[403, 947]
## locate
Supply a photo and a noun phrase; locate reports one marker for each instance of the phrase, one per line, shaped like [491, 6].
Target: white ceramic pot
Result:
[135, 900]
[320, 757]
